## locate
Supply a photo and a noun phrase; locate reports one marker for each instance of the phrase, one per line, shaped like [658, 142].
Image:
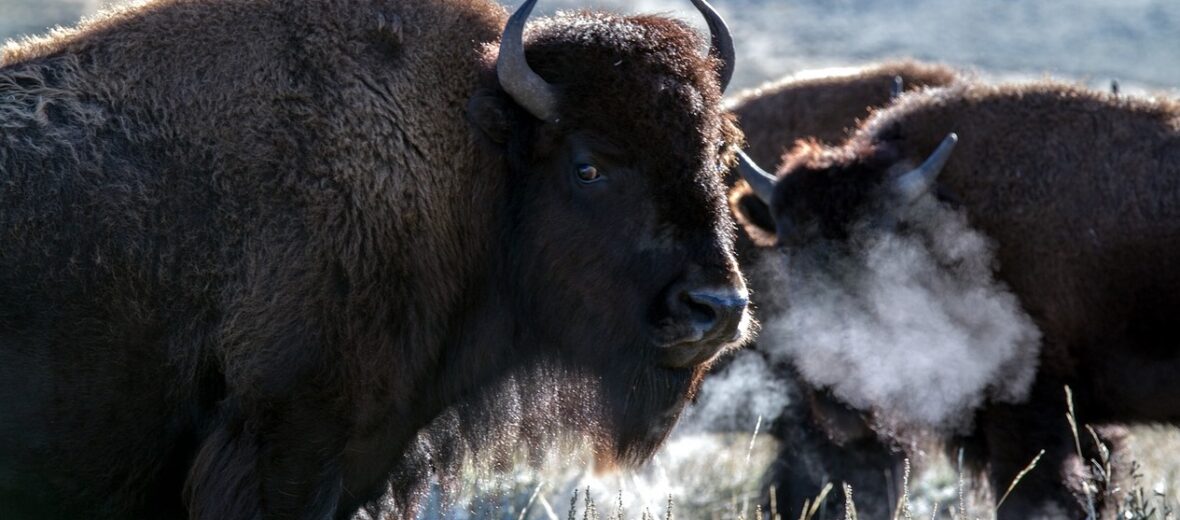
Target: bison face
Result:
[822, 192]
[622, 248]
[598, 219]
[625, 282]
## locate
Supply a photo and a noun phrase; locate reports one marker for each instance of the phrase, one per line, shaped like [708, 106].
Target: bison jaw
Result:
[700, 349]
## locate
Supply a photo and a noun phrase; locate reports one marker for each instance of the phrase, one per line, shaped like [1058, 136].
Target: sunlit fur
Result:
[253, 247]
[1076, 188]
[825, 108]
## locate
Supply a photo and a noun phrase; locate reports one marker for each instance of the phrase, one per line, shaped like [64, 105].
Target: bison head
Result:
[621, 247]
[821, 195]
[821, 192]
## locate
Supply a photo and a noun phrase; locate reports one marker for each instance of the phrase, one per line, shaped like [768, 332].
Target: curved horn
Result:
[898, 87]
[916, 182]
[761, 182]
[525, 86]
[722, 41]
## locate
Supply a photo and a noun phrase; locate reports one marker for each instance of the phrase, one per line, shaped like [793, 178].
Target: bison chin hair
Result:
[544, 414]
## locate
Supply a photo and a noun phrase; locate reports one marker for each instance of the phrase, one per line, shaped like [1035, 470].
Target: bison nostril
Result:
[717, 311]
[700, 311]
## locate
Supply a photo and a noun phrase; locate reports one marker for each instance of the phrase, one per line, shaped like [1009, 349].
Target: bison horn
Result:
[897, 88]
[525, 86]
[761, 182]
[916, 182]
[722, 41]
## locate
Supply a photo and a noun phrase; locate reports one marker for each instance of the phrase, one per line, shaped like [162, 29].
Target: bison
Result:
[252, 247]
[821, 439]
[1075, 189]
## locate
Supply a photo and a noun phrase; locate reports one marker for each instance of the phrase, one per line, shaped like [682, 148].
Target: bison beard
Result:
[538, 412]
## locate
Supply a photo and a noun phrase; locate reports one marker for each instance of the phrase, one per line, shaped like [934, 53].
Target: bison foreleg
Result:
[283, 466]
[809, 458]
[223, 480]
[1014, 435]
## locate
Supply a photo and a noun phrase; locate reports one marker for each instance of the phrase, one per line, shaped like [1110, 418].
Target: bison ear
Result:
[490, 113]
[753, 215]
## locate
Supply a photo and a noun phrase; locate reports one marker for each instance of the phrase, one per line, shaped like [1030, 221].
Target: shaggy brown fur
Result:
[253, 246]
[775, 115]
[1077, 189]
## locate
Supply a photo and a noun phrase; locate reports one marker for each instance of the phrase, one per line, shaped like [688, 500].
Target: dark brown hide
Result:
[827, 108]
[254, 246]
[1077, 189]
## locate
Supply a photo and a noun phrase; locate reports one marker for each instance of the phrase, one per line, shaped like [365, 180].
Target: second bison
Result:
[821, 440]
[1077, 191]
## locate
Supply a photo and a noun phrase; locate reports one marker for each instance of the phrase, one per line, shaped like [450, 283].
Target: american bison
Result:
[1076, 189]
[821, 439]
[251, 247]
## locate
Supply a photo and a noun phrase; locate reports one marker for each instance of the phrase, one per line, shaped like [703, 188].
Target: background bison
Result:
[254, 246]
[821, 440]
[1069, 184]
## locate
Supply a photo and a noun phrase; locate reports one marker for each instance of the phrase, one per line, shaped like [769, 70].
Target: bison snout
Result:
[704, 320]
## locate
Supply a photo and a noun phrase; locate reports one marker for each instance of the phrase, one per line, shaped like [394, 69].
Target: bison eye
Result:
[587, 173]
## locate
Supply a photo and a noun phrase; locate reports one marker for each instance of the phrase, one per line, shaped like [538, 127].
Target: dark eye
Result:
[587, 173]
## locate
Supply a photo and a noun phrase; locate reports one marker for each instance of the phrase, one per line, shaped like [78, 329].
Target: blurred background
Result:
[22, 17]
[1136, 42]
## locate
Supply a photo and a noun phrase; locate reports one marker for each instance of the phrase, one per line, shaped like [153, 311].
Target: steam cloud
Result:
[911, 326]
[736, 396]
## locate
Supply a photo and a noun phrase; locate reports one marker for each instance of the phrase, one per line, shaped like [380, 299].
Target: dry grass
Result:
[716, 477]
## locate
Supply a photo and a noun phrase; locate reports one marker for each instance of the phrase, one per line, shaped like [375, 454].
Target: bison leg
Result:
[284, 466]
[1108, 493]
[223, 480]
[1014, 435]
[823, 443]
[872, 469]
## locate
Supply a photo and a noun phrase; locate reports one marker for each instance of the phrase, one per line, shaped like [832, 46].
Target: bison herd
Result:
[270, 259]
